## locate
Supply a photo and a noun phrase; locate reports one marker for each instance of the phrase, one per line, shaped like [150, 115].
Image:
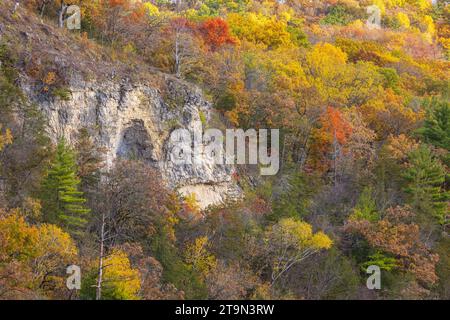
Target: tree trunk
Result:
[98, 294]
[16, 6]
[43, 8]
[62, 12]
[177, 56]
[335, 158]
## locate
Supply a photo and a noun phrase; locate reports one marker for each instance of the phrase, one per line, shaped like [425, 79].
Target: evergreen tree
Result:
[366, 208]
[436, 129]
[62, 202]
[295, 197]
[425, 177]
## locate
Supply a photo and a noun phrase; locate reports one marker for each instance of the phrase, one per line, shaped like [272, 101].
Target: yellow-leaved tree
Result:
[32, 258]
[339, 82]
[260, 29]
[199, 257]
[5, 138]
[120, 281]
[55, 250]
[291, 241]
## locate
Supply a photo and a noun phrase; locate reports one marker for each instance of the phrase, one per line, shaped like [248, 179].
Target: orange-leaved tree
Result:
[216, 33]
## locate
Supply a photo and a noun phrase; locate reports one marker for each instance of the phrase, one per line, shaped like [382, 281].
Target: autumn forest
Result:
[359, 90]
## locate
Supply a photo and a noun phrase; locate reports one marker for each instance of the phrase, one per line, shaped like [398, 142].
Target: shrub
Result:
[63, 93]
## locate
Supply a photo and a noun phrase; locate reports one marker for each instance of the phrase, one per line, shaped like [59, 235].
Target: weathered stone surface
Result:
[135, 120]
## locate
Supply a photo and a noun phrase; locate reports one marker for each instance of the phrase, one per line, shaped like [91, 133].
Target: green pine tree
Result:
[425, 177]
[62, 202]
[436, 128]
[366, 208]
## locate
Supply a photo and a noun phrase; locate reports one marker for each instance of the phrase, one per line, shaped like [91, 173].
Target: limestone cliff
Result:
[135, 120]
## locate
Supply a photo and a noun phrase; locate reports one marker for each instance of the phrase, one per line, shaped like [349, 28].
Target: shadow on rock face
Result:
[136, 143]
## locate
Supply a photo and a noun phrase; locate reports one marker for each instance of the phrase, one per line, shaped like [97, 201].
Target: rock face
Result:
[135, 120]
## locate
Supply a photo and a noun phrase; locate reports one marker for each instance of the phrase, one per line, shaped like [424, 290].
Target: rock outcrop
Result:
[135, 120]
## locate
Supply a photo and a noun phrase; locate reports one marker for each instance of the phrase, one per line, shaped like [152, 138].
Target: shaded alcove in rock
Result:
[136, 143]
